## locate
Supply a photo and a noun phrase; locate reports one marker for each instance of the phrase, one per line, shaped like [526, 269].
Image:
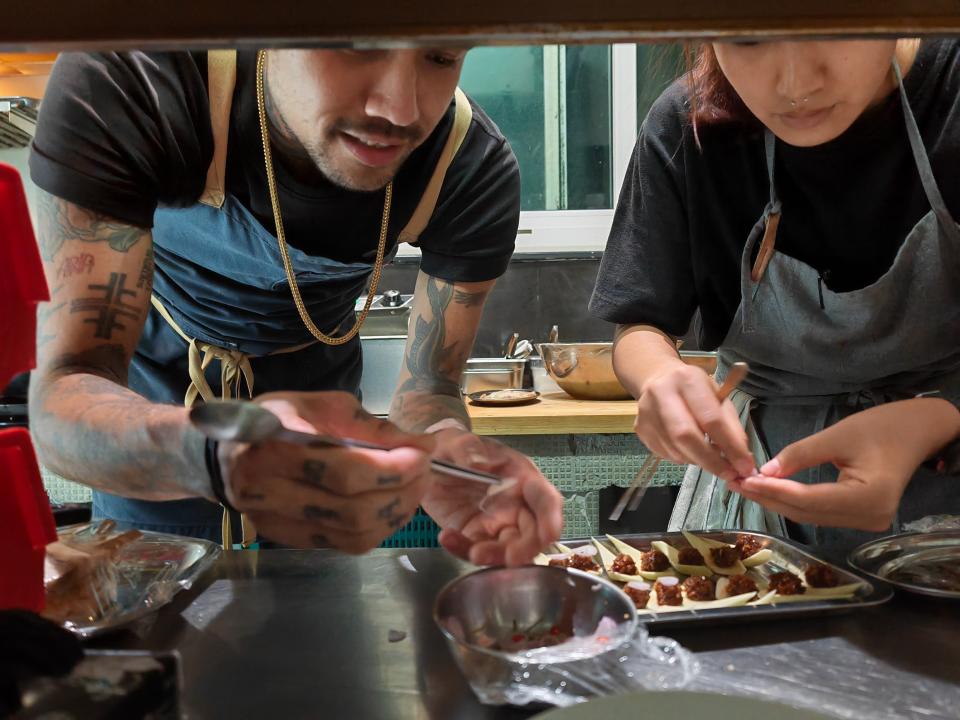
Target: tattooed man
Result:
[208, 222]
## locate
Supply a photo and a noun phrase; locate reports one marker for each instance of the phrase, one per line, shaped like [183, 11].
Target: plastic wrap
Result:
[562, 676]
[100, 579]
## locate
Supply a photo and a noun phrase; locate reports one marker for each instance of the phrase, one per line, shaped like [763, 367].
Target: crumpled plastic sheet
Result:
[833, 677]
[933, 523]
[642, 663]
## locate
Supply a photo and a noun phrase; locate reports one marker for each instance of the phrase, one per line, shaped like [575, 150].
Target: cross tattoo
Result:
[109, 307]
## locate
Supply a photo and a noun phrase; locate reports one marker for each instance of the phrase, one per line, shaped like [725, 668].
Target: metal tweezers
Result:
[638, 487]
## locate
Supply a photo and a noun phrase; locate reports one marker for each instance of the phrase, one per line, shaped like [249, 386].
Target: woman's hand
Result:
[877, 452]
[680, 418]
[505, 525]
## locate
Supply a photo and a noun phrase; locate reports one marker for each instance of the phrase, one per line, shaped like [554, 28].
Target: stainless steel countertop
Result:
[303, 634]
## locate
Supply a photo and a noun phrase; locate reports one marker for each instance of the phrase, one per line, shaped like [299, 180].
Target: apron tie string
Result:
[234, 366]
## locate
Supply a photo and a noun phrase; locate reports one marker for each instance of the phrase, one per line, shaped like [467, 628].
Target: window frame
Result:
[567, 231]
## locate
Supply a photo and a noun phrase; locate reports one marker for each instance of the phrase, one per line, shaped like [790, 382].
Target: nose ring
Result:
[799, 101]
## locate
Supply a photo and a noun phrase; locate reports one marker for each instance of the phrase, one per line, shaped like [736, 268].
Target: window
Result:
[553, 104]
[571, 114]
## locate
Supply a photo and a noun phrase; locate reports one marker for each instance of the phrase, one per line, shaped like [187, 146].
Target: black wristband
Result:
[213, 470]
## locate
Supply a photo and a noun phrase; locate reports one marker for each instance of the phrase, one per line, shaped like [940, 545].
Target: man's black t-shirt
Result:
[124, 133]
[684, 213]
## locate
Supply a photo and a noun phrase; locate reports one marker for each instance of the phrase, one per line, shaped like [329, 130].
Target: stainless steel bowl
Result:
[585, 370]
[495, 602]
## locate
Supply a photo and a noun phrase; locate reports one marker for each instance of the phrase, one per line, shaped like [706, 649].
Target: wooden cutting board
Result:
[555, 414]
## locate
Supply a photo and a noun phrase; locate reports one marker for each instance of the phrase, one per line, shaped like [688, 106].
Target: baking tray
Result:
[915, 562]
[150, 572]
[786, 555]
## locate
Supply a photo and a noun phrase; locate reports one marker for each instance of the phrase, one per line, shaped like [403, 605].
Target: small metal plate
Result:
[924, 563]
[786, 555]
[504, 397]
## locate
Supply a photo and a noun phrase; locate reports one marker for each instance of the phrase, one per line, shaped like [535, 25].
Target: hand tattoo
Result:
[315, 512]
[313, 472]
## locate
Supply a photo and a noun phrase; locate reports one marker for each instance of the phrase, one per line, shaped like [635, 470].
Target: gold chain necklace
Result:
[281, 240]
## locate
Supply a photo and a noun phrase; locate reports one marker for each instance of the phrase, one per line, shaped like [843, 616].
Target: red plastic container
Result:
[26, 523]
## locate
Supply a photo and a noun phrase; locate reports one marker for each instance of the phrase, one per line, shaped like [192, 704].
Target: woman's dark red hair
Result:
[713, 101]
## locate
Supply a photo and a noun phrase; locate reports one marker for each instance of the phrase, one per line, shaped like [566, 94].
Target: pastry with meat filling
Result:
[738, 585]
[699, 588]
[654, 561]
[724, 557]
[786, 583]
[625, 564]
[639, 592]
[821, 576]
[748, 545]
[668, 592]
[586, 563]
[689, 556]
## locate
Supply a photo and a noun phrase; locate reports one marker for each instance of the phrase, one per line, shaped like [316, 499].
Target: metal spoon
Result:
[236, 421]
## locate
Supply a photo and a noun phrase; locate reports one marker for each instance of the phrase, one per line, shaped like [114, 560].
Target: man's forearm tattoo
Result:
[60, 220]
[108, 306]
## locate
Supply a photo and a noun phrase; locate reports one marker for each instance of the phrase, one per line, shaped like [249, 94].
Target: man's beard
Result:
[363, 178]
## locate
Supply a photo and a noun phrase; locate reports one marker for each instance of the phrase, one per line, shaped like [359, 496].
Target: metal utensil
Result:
[237, 421]
[511, 345]
[523, 349]
[554, 335]
[638, 487]
[495, 603]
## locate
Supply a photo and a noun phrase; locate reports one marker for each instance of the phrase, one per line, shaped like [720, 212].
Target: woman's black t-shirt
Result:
[684, 213]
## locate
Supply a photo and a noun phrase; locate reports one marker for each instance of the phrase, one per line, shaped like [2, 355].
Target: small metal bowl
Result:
[495, 602]
[585, 370]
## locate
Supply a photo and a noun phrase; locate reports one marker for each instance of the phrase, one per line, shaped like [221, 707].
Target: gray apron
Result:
[817, 356]
[221, 296]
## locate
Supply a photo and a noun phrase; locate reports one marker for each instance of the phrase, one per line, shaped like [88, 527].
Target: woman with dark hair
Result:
[798, 197]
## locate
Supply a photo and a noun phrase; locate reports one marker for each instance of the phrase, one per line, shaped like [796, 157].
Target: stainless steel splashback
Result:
[383, 338]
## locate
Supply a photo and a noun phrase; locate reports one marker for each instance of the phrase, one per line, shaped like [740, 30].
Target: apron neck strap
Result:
[221, 81]
[922, 161]
[770, 149]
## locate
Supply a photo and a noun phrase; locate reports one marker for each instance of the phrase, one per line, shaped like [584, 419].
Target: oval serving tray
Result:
[923, 563]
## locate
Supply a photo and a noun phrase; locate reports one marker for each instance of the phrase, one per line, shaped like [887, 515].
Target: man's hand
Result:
[344, 498]
[492, 526]
[877, 452]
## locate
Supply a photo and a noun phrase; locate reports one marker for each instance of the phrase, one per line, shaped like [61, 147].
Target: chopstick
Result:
[644, 477]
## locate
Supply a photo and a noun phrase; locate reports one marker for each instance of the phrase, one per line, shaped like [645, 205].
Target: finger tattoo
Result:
[313, 472]
[315, 512]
